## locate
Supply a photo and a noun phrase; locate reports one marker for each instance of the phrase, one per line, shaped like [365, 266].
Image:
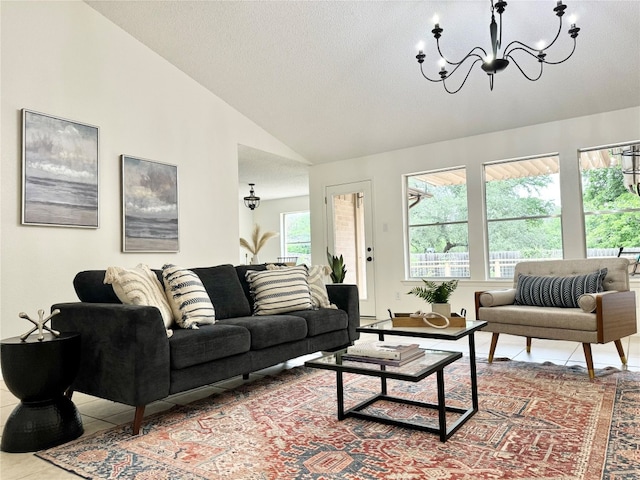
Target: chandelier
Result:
[491, 63]
[631, 169]
[251, 202]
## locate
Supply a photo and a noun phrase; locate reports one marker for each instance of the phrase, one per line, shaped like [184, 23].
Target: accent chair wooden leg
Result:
[137, 419]
[587, 355]
[528, 344]
[492, 348]
[620, 348]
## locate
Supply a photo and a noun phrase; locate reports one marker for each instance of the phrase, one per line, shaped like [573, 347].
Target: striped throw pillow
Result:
[187, 296]
[557, 291]
[279, 291]
[140, 286]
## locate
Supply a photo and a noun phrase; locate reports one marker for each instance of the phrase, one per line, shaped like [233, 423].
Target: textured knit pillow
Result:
[557, 291]
[140, 286]
[279, 291]
[187, 297]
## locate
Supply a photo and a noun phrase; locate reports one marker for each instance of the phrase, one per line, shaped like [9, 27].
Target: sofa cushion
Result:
[323, 320]
[225, 291]
[210, 342]
[241, 271]
[545, 291]
[280, 291]
[269, 330]
[545, 317]
[140, 286]
[90, 287]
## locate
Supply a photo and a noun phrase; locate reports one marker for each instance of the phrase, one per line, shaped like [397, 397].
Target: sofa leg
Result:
[587, 355]
[620, 348]
[245, 376]
[528, 344]
[137, 419]
[492, 348]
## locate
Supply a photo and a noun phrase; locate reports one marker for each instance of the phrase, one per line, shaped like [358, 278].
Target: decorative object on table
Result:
[338, 268]
[258, 240]
[39, 325]
[59, 171]
[429, 319]
[490, 62]
[149, 206]
[436, 294]
[251, 202]
[38, 372]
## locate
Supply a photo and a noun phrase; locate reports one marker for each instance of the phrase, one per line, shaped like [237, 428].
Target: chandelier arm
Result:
[566, 58]
[430, 79]
[523, 72]
[507, 51]
[468, 55]
[465, 78]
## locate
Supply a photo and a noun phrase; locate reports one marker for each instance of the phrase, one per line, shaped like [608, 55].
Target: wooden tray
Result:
[400, 320]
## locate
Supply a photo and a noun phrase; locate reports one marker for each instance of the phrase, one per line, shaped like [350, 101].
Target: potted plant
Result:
[437, 295]
[258, 241]
[338, 268]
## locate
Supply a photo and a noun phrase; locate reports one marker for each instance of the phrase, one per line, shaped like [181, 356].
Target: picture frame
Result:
[149, 206]
[59, 171]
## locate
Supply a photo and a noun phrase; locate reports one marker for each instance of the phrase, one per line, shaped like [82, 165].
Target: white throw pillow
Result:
[187, 297]
[140, 286]
[279, 291]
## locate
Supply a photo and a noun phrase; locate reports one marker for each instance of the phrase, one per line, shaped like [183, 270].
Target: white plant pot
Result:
[441, 308]
[255, 260]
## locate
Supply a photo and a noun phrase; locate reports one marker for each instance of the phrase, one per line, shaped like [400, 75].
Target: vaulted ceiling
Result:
[338, 79]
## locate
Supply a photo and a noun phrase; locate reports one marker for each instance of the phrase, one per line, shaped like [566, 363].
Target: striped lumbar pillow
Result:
[279, 291]
[187, 296]
[140, 286]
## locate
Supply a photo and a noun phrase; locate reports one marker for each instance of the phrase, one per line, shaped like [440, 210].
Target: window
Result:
[522, 199]
[611, 209]
[296, 236]
[438, 244]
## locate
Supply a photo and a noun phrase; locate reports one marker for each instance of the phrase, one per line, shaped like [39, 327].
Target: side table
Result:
[38, 373]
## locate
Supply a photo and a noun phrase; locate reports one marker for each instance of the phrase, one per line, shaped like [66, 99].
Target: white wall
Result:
[65, 59]
[385, 171]
[267, 215]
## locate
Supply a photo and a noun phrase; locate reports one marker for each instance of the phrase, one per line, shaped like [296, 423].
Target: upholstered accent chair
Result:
[557, 299]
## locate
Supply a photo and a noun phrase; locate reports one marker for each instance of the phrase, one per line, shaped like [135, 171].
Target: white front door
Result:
[350, 234]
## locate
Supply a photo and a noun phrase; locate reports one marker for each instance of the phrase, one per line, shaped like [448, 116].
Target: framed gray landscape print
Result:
[59, 171]
[149, 206]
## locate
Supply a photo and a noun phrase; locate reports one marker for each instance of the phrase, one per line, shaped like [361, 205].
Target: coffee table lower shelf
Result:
[413, 372]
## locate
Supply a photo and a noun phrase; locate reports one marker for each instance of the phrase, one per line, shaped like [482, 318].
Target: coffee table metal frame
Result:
[412, 372]
[385, 327]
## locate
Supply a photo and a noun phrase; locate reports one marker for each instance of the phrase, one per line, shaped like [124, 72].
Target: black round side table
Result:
[38, 373]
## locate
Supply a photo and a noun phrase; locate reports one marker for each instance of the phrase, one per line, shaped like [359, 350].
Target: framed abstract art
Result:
[59, 171]
[149, 206]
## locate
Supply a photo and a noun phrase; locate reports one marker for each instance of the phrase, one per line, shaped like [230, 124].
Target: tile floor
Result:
[98, 414]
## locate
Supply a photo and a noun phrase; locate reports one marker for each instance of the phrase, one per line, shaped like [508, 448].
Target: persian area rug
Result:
[535, 422]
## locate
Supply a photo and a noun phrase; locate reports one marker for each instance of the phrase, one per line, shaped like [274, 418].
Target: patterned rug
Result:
[535, 422]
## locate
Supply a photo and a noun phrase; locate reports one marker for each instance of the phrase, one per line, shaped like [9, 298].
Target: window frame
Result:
[283, 234]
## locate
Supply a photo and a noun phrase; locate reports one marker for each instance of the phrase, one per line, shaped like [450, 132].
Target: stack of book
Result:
[384, 353]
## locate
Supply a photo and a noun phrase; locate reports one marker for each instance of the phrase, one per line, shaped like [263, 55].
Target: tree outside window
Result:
[296, 236]
[438, 224]
[522, 199]
[611, 210]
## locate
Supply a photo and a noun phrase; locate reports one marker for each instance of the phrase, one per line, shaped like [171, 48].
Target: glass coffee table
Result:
[432, 362]
[385, 327]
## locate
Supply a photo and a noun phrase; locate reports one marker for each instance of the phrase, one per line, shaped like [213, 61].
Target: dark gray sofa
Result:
[127, 357]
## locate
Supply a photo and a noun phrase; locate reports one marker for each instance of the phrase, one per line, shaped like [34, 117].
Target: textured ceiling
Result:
[338, 79]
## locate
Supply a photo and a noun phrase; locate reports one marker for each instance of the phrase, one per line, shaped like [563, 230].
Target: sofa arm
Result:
[124, 352]
[616, 316]
[346, 297]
